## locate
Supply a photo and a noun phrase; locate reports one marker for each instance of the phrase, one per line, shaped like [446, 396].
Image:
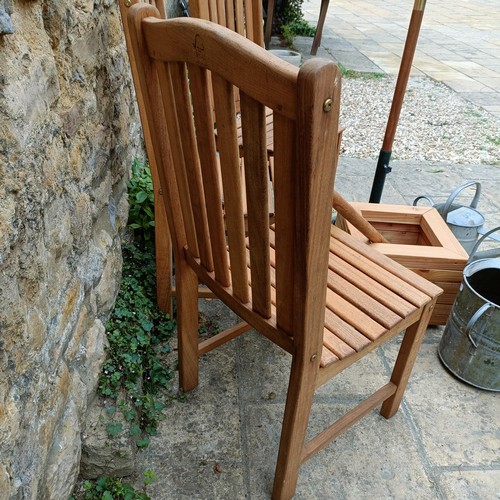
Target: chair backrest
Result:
[242, 16]
[286, 264]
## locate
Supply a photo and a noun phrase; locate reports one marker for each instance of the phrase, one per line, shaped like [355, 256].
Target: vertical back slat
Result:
[213, 11]
[284, 203]
[203, 120]
[227, 142]
[230, 14]
[257, 178]
[200, 9]
[174, 132]
[257, 35]
[221, 12]
[249, 19]
[160, 5]
[239, 15]
[185, 119]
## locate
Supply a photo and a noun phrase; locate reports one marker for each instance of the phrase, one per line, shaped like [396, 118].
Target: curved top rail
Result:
[225, 52]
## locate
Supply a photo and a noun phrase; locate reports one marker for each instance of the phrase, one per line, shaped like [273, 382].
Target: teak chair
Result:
[304, 284]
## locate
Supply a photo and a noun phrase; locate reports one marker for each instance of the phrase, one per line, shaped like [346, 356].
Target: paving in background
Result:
[444, 443]
[459, 42]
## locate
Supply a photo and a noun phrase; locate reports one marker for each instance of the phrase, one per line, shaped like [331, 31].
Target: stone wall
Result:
[68, 132]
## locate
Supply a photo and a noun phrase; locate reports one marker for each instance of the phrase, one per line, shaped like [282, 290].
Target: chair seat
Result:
[368, 296]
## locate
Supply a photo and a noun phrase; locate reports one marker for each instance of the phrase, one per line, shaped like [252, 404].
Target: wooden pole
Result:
[383, 167]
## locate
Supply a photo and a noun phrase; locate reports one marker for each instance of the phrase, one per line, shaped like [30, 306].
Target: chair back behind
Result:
[242, 16]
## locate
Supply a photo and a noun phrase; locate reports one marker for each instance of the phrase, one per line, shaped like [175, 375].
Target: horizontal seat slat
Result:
[327, 357]
[407, 276]
[336, 345]
[357, 318]
[362, 300]
[378, 273]
[386, 297]
[345, 331]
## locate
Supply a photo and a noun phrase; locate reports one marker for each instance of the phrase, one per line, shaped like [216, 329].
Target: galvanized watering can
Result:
[466, 223]
[470, 346]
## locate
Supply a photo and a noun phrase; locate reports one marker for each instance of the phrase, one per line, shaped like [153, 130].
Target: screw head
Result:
[327, 105]
[313, 357]
[127, 3]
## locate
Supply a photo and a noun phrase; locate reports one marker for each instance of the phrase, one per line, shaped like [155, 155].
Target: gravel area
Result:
[435, 124]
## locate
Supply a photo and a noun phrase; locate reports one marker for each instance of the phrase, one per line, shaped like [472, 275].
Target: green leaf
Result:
[114, 428]
[141, 196]
[135, 430]
[149, 477]
[142, 443]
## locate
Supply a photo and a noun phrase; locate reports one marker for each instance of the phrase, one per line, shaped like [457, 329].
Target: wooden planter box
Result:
[421, 241]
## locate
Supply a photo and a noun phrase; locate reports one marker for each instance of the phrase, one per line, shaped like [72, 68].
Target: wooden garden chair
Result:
[312, 289]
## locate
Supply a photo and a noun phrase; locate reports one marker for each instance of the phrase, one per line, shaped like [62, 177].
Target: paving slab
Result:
[457, 40]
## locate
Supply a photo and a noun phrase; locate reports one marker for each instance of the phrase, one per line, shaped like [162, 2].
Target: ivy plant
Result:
[141, 202]
[114, 488]
[138, 334]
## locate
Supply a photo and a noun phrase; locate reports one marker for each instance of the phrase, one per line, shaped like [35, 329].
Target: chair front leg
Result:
[296, 418]
[406, 359]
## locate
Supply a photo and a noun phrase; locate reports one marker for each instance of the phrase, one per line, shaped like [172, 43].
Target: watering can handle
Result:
[423, 197]
[473, 321]
[453, 195]
[480, 240]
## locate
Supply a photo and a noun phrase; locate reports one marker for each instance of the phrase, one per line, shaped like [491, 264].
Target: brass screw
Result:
[327, 105]
[313, 357]
[127, 3]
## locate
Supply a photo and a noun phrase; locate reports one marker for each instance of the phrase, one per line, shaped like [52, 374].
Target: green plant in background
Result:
[297, 28]
[290, 11]
[292, 21]
[138, 334]
[141, 201]
[114, 488]
[351, 73]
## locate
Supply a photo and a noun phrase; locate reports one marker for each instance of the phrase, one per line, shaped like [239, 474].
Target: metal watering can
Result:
[470, 346]
[466, 223]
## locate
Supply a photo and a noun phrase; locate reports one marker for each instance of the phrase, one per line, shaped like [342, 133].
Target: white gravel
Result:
[435, 123]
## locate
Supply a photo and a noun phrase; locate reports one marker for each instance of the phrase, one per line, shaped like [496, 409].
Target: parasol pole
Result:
[383, 167]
